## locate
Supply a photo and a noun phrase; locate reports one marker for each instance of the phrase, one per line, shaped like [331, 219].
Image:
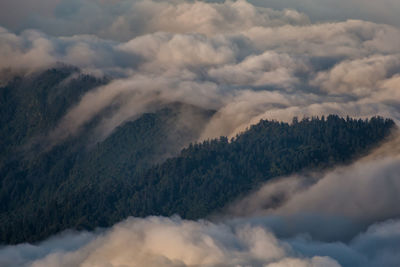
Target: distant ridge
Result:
[73, 187]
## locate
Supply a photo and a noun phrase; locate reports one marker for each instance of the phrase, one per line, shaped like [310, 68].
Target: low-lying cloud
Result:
[379, 12]
[345, 217]
[157, 241]
[245, 62]
[125, 19]
[342, 202]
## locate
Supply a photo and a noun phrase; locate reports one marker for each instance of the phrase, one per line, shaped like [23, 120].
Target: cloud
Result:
[352, 192]
[163, 51]
[267, 69]
[157, 241]
[33, 51]
[133, 97]
[344, 217]
[350, 38]
[375, 247]
[245, 62]
[358, 77]
[167, 242]
[124, 19]
[339, 203]
[325, 10]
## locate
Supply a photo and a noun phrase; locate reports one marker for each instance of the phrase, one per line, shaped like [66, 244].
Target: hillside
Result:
[207, 176]
[140, 170]
[120, 177]
[33, 180]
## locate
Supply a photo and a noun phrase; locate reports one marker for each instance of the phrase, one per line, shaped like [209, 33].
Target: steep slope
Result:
[207, 176]
[34, 181]
[31, 105]
[81, 184]
[73, 186]
[114, 180]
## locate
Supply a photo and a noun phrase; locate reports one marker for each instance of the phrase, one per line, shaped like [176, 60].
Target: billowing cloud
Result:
[377, 246]
[126, 19]
[245, 62]
[322, 10]
[353, 192]
[267, 69]
[358, 77]
[342, 201]
[159, 241]
[345, 217]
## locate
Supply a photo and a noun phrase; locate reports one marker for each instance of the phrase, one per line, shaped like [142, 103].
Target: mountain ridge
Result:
[140, 169]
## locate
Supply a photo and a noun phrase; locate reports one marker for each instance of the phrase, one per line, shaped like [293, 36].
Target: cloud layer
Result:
[245, 62]
[333, 206]
[124, 19]
[346, 217]
[159, 241]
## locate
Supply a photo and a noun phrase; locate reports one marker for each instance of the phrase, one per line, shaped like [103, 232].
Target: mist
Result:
[333, 205]
[346, 216]
[157, 241]
[247, 61]
[128, 17]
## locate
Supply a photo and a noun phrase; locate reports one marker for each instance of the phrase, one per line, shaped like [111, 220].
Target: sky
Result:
[247, 60]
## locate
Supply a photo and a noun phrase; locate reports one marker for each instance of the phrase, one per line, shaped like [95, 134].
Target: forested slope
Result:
[208, 175]
[139, 169]
[39, 185]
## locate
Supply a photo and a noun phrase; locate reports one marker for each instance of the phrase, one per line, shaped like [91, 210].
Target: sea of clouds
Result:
[347, 216]
[247, 62]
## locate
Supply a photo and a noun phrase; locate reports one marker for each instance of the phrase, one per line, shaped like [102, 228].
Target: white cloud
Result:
[326, 10]
[157, 241]
[247, 63]
[359, 194]
[269, 68]
[276, 65]
[166, 242]
[360, 77]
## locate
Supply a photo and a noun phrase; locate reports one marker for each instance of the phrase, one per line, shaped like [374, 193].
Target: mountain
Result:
[33, 179]
[148, 166]
[207, 176]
